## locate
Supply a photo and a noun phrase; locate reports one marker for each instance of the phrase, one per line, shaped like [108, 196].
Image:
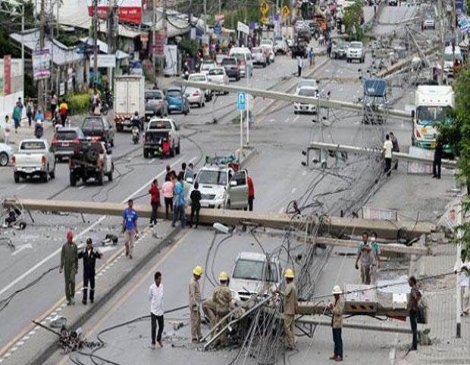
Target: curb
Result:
[248, 156]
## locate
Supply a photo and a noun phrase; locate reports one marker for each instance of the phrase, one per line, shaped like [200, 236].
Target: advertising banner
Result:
[41, 64]
[7, 74]
[129, 11]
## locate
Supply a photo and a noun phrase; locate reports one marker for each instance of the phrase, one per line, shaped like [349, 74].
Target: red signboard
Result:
[129, 11]
[7, 74]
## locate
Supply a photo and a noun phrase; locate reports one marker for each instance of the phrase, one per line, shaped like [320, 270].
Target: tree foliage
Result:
[352, 21]
[10, 22]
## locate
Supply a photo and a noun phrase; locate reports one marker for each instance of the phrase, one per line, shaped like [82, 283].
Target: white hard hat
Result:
[337, 290]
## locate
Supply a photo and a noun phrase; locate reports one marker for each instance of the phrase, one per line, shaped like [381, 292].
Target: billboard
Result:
[7, 74]
[129, 11]
[41, 64]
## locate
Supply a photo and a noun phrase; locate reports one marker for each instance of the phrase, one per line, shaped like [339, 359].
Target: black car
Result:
[65, 140]
[232, 68]
[99, 128]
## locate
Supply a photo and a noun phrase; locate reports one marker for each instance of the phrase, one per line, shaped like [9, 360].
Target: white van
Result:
[449, 59]
[245, 59]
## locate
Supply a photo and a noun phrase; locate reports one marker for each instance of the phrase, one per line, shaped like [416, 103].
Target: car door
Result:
[238, 190]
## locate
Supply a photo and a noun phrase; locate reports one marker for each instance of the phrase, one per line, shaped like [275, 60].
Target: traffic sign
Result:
[241, 104]
[264, 20]
[285, 11]
[264, 7]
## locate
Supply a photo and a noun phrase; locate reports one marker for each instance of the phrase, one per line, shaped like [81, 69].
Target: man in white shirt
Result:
[299, 65]
[462, 269]
[156, 308]
[388, 146]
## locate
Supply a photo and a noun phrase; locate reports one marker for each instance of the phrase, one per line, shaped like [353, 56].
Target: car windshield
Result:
[33, 145]
[216, 71]
[212, 177]
[66, 135]
[307, 83]
[153, 95]
[256, 50]
[239, 56]
[93, 123]
[428, 115]
[173, 93]
[355, 45]
[253, 270]
[307, 92]
[220, 57]
[229, 61]
[197, 78]
[191, 90]
[160, 124]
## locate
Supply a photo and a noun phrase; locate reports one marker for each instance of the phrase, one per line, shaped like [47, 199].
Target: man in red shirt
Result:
[251, 193]
[154, 191]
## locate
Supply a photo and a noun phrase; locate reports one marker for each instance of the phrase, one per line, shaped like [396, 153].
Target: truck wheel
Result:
[177, 149]
[16, 176]
[146, 154]
[119, 128]
[110, 175]
[172, 152]
[99, 178]
[52, 174]
[73, 179]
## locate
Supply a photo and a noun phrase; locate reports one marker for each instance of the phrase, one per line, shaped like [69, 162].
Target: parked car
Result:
[6, 153]
[280, 46]
[176, 100]
[260, 57]
[306, 107]
[195, 96]
[245, 60]
[338, 48]
[33, 159]
[207, 66]
[232, 68]
[162, 138]
[355, 51]
[65, 140]
[91, 160]
[252, 275]
[155, 104]
[98, 128]
[218, 76]
[201, 77]
[310, 83]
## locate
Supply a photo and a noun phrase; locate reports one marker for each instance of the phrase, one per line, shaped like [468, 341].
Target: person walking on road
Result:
[178, 202]
[195, 204]
[6, 131]
[63, 111]
[16, 115]
[69, 265]
[388, 147]
[167, 191]
[155, 295]
[194, 304]
[395, 148]
[415, 296]
[251, 192]
[129, 226]
[89, 256]
[462, 269]
[436, 164]
[29, 111]
[375, 262]
[299, 65]
[154, 192]
[365, 255]
[54, 101]
[337, 323]
[290, 308]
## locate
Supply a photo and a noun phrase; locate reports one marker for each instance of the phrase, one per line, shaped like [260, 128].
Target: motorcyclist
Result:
[136, 122]
[38, 129]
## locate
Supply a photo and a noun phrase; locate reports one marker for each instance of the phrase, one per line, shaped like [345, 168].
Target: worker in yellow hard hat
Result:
[290, 307]
[194, 303]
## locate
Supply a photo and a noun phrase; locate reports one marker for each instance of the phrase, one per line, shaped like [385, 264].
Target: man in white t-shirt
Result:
[155, 295]
[462, 269]
[388, 146]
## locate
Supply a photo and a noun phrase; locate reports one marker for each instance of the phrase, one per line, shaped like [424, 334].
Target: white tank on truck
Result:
[128, 98]
[433, 106]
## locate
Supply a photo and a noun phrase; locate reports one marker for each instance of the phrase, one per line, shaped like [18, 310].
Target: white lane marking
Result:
[21, 248]
[21, 187]
[296, 118]
[293, 190]
[81, 187]
[101, 219]
[151, 161]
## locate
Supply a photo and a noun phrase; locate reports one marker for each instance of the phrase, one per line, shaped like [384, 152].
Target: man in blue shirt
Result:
[178, 201]
[129, 226]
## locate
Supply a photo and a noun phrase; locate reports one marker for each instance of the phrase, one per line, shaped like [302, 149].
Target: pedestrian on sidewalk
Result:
[328, 48]
[299, 65]
[462, 269]
[337, 323]
[290, 308]
[155, 295]
[129, 226]
[388, 147]
[16, 115]
[69, 265]
[29, 111]
[251, 192]
[89, 256]
[195, 204]
[365, 255]
[167, 191]
[194, 304]
[415, 296]
[178, 202]
[54, 101]
[395, 148]
[154, 192]
[6, 131]
[375, 263]
[436, 164]
[310, 56]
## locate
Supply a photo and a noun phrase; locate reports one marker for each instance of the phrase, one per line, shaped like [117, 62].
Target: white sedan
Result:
[6, 153]
[195, 96]
[307, 91]
[218, 76]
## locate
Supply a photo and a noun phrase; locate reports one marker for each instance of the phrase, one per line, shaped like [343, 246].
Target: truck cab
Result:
[374, 101]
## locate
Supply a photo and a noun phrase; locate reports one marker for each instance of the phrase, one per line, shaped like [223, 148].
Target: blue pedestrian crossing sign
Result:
[241, 100]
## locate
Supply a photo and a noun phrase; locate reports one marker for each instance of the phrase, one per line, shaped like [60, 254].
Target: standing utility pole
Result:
[154, 36]
[95, 42]
[112, 36]
[440, 10]
[42, 34]
[22, 48]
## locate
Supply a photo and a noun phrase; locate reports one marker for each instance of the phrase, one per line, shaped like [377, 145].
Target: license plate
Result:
[65, 144]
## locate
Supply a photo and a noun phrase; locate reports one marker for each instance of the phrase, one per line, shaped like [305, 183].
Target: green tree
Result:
[352, 20]
[10, 22]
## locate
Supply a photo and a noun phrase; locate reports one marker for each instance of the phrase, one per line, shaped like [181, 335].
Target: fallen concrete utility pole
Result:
[376, 151]
[368, 327]
[404, 63]
[334, 225]
[422, 55]
[326, 103]
[385, 248]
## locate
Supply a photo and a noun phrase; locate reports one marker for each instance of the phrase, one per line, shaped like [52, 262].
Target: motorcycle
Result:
[135, 134]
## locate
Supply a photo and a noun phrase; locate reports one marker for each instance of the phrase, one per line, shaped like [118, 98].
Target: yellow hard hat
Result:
[289, 274]
[197, 270]
[223, 276]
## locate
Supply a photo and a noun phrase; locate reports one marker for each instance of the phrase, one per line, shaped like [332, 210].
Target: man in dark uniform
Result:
[89, 256]
[69, 265]
[436, 164]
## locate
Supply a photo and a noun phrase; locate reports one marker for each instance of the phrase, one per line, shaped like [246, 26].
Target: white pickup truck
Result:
[33, 159]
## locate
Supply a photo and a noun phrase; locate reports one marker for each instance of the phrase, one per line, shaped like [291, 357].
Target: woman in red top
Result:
[154, 191]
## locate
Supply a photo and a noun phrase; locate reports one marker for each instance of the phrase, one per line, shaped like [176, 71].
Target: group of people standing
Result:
[369, 257]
